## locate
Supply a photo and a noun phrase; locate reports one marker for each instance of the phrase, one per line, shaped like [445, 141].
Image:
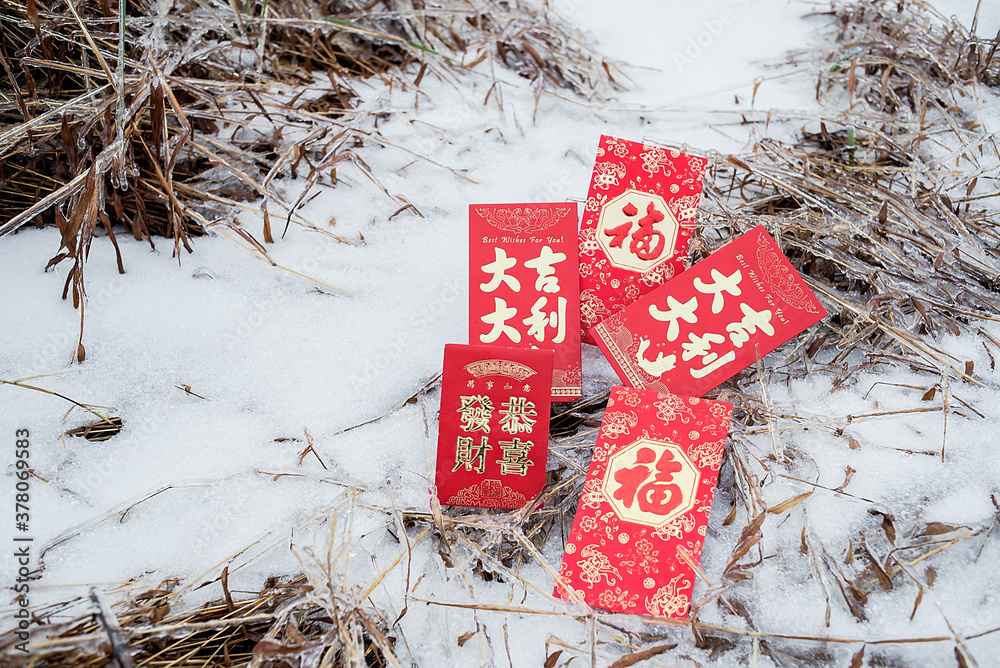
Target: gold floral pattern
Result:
[506, 368]
[780, 278]
[642, 558]
[708, 455]
[669, 601]
[522, 219]
[481, 495]
[595, 565]
[618, 423]
[617, 599]
[672, 407]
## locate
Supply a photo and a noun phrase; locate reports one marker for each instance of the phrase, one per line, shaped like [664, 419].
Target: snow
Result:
[188, 486]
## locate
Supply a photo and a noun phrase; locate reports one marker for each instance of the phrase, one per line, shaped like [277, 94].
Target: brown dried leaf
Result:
[848, 474]
[272, 648]
[551, 659]
[32, 10]
[741, 550]
[481, 58]
[466, 637]
[920, 308]
[929, 394]
[753, 527]
[159, 612]
[733, 160]
[889, 528]
[748, 538]
[880, 573]
[856, 601]
[150, 594]
[224, 578]
[294, 635]
[268, 237]
[887, 525]
[420, 74]
[636, 657]
[971, 187]
[938, 528]
[815, 345]
[916, 603]
[789, 503]
[406, 608]
[714, 644]
[742, 611]
[56, 260]
[859, 658]
[730, 517]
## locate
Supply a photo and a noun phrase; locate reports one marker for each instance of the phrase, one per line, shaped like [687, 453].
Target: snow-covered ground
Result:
[189, 485]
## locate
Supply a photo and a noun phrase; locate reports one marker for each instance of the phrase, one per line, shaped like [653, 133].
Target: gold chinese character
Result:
[472, 457]
[518, 414]
[544, 264]
[476, 412]
[739, 332]
[498, 319]
[515, 457]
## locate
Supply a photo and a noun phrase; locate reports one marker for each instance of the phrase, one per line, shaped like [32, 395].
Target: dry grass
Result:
[167, 124]
[299, 621]
[876, 201]
[882, 200]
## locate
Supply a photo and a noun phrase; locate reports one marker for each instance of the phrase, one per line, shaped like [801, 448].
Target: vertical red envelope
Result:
[711, 321]
[493, 438]
[637, 224]
[647, 496]
[524, 284]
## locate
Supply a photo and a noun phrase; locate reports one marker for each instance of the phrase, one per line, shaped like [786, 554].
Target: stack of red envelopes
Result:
[537, 286]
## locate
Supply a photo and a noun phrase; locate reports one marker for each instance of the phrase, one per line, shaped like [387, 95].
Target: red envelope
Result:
[712, 321]
[524, 284]
[637, 224]
[647, 497]
[493, 438]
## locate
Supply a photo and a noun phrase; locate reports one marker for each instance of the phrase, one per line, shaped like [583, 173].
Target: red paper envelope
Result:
[637, 224]
[712, 321]
[647, 495]
[524, 284]
[493, 438]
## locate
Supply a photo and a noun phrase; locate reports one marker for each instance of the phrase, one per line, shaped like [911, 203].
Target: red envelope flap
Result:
[711, 321]
[524, 284]
[493, 434]
[636, 225]
[647, 496]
